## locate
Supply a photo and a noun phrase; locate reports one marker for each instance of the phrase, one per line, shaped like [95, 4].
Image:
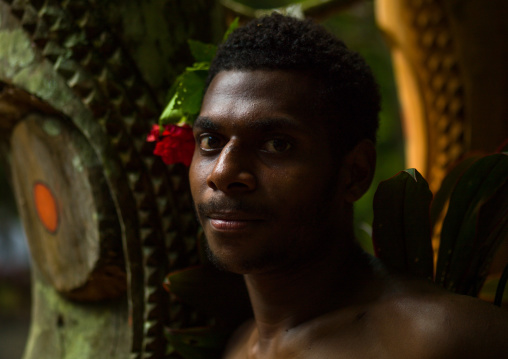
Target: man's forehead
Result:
[248, 81]
[266, 124]
[264, 93]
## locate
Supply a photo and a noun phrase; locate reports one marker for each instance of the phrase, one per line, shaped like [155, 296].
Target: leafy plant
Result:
[187, 91]
[474, 225]
[221, 296]
[401, 227]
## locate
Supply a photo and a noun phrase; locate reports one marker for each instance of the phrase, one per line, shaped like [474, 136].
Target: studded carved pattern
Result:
[100, 71]
[441, 82]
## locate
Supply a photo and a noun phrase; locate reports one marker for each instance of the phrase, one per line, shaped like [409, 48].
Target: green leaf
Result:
[447, 186]
[401, 228]
[501, 287]
[417, 230]
[186, 93]
[191, 92]
[475, 189]
[199, 66]
[220, 294]
[202, 52]
[187, 97]
[172, 113]
[232, 27]
[364, 238]
[198, 343]
[491, 231]
[503, 147]
[388, 223]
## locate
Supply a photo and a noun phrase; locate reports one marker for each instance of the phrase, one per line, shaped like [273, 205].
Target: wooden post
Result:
[449, 59]
[81, 83]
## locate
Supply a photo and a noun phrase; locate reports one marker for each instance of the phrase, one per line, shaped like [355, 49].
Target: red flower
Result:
[174, 145]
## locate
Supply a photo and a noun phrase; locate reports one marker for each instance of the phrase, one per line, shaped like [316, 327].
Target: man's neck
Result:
[282, 300]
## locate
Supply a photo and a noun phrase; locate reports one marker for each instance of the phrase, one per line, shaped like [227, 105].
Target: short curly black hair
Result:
[349, 94]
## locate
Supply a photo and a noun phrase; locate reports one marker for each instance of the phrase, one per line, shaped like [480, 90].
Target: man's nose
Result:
[232, 172]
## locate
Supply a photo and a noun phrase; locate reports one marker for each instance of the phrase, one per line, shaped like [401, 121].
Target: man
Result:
[285, 145]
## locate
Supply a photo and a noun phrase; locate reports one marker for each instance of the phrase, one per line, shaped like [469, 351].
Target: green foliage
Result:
[475, 224]
[252, 7]
[222, 296]
[202, 52]
[187, 94]
[447, 186]
[187, 91]
[219, 294]
[401, 228]
[498, 300]
[198, 343]
[268, 4]
[232, 27]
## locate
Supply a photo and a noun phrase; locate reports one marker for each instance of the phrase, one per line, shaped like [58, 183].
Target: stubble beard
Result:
[312, 237]
[247, 265]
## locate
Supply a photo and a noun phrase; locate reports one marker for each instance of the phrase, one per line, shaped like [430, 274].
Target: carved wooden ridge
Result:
[448, 58]
[74, 113]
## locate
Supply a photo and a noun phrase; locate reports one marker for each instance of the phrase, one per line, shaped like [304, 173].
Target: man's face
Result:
[266, 188]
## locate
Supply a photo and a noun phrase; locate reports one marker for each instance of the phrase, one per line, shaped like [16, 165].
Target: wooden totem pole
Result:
[81, 83]
[450, 63]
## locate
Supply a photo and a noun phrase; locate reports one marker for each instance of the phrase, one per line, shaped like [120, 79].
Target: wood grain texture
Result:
[82, 256]
[65, 329]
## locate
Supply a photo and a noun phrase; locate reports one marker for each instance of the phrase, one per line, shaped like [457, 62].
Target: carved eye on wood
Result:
[67, 210]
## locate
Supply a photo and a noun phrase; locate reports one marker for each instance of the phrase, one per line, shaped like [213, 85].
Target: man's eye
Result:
[276, 146]
[209, 142]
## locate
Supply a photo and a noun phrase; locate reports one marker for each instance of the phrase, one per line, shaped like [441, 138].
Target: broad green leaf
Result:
[401, 228]
[198, 343]
[503, 147]
[478, 184]
[388, 223]
[186, 93]
[489, 288]
[500, 291]
[232, 27]
[191, 92]
[364, 238]
[491, 231]
[447, 185]
[202, 52]
[417, 231]
[220, 294]
[199, 66]
[187, 97]
[172, 113]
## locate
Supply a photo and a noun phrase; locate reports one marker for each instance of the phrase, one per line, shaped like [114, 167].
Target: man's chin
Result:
[236, 264]
[215, 260]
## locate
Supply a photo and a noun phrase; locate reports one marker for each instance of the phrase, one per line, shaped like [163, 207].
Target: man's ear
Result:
[359, 165]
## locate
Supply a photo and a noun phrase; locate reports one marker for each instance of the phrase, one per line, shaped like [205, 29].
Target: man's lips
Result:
[228, 215]
[232, 221]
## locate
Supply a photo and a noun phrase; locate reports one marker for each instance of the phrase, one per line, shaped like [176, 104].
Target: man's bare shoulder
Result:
[412, 320]
[424, 321]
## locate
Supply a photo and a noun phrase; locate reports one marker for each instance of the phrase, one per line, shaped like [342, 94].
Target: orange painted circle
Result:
[46, 207]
